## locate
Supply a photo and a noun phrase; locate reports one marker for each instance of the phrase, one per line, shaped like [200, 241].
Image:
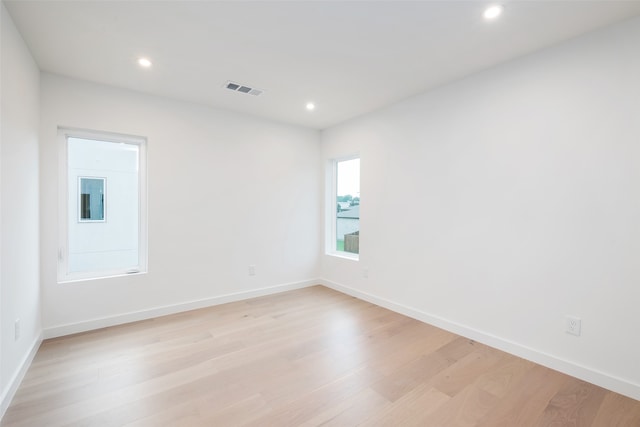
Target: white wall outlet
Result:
[252, 270]
[573, 325]
[365, 273]
[16, 330]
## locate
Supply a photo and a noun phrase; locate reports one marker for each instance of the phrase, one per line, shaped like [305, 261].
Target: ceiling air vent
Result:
[237, 87]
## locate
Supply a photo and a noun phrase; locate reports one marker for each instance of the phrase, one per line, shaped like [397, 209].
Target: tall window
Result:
[103, 209]
[345, 224]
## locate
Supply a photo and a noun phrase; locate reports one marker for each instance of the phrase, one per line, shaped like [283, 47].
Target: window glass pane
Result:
[92, 195]
[103, 206]
[348, 206]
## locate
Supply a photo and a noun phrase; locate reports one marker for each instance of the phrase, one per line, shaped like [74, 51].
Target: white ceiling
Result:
[349, 57]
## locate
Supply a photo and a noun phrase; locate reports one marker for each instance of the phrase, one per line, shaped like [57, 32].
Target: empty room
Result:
[184, 185]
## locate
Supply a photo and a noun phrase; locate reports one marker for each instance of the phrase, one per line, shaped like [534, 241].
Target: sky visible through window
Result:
[349, 178]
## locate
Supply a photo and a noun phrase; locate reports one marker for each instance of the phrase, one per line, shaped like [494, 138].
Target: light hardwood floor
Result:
[302, 358]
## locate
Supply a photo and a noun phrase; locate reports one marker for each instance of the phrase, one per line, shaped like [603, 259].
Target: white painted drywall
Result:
[225, 191]
[520, 204]
[19, 272]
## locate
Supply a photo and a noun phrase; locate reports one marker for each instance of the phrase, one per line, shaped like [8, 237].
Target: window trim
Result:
[332, 208]
[64, 133]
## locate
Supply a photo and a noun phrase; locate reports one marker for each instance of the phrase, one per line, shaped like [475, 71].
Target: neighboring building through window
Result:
[345, 229]
[103, 205]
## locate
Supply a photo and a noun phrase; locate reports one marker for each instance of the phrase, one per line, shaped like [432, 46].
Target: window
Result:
[92, 193]
[344, 236]
[102, 205]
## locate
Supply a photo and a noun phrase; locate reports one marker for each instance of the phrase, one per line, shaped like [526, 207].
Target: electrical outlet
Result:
[573, 325]
[16, 330]
[252, 270]
[365, 273]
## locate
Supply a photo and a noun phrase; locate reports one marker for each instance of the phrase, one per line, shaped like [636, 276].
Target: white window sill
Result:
[86, 278]
[345, 255]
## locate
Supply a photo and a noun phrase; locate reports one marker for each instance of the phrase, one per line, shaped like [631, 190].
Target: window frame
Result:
[332, 208]
[64, 276]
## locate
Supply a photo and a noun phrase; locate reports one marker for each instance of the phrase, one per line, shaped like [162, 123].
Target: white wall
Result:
[521, 189]
[19, 271]
[225, 191]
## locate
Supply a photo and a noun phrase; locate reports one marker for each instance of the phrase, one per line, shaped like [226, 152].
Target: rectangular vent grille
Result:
[237, 87]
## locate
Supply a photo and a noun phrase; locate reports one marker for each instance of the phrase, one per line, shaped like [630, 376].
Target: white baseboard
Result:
[103, 322]
[10, 391]
[593, 376]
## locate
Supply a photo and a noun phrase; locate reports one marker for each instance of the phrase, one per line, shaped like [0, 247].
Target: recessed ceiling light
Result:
[144, 62]
[492, 12]
[311, 106]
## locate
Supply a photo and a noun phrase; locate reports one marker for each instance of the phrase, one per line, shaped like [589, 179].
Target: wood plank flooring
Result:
[302, 358]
